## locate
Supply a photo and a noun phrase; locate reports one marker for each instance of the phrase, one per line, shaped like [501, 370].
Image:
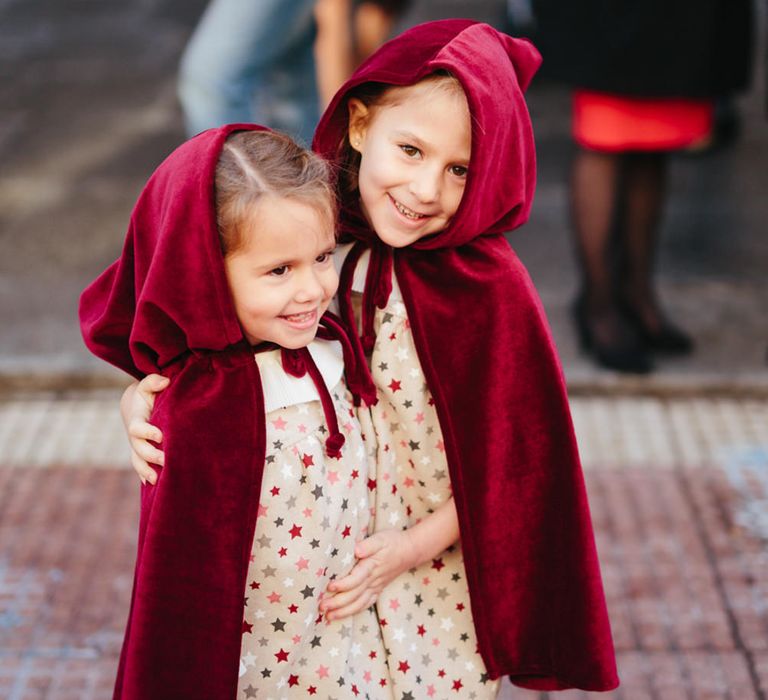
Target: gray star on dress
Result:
[453, 654]
[345, 504]
[438, 474]
[268, 571]
[426, 660]
[278, 445]
[464, 637]
[442, 593]
[394, 427]
[386, 317]
[317, 492]
[270, 459]
[383, 366]
[264, 541]
[250, 692]
[430, 430]
[456, 576]
[413, 444]
[278, 522]
[326, 523]
[278, 625]
[315, 641]
[315, 543]
[408, 696]
[407, 403]
[266, 673]
[291, 502]
[345, 631]
[418, 599]
[263, 641]
[307, 591]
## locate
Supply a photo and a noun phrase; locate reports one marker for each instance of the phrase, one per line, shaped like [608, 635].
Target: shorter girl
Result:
[293, 452]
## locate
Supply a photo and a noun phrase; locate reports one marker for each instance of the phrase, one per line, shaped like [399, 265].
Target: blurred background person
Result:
[645, 78]
[252, 62]
[348, 32]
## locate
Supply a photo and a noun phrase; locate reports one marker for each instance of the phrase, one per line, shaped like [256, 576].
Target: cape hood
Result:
[490, 363]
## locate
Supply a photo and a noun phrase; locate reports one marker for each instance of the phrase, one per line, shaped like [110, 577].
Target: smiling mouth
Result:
[302, 320]
[406, 212]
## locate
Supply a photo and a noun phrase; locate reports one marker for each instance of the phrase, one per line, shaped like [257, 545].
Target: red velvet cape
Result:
[489, 360]
[164, 306]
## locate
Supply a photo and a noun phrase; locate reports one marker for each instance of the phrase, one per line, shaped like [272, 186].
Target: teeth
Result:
[301, 317]
[407, 212]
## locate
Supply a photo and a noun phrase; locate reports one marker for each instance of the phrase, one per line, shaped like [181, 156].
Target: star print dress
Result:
[312, 509]
[424, 614]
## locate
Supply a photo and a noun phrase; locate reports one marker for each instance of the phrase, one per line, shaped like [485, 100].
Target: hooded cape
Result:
[164, 306]
[488, 357]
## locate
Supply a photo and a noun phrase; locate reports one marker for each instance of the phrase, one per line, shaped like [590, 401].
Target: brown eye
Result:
[458, 170]
[279, 271]
[410, 151]
[322, 258]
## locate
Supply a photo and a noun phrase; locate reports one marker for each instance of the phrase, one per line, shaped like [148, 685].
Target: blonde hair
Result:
[257, 164]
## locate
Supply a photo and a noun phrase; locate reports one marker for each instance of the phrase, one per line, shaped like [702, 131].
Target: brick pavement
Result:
[679, 493]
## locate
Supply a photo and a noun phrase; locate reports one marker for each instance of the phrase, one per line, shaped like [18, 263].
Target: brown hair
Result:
[374, 95]
[255, 164]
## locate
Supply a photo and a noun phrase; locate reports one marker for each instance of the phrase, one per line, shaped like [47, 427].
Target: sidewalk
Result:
[679, 497]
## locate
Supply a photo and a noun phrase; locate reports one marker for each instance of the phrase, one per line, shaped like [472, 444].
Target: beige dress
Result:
[425, 615]
[312, 510]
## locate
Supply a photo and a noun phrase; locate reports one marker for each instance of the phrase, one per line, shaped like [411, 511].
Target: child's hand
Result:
[135, 408]
[382, 557]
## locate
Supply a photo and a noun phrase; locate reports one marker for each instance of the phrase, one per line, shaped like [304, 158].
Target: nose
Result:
[309, 287]
[425, 185]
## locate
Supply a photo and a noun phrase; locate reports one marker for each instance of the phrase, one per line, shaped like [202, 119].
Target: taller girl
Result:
[437, 161]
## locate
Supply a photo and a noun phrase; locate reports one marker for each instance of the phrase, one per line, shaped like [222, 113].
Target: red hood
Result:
[495, 70]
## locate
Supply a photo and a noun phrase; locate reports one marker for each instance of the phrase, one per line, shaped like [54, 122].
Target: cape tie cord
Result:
[299, 362]
[378, 287]
[359, 379]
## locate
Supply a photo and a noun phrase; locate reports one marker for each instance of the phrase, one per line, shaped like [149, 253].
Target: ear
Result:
[358, 122]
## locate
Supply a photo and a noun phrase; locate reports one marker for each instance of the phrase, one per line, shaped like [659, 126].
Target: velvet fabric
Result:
[164, 306]
[488, 357]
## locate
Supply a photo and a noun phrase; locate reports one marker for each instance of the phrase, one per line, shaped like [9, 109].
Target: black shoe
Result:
[624, 353]
[667, 339]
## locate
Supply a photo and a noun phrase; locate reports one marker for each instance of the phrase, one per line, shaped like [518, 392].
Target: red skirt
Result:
[607, 122]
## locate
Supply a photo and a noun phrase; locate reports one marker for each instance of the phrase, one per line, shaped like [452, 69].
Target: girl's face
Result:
[283, 278]
[415, 152]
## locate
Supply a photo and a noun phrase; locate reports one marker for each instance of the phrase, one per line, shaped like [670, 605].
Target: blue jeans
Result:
[252, 61]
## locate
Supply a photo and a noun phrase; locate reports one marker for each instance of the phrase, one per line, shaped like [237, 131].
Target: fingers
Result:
[360, 572]
[369, 546]
[146, 452]
[141, 430]
[362, 602]
[152, 384]
[145, 472]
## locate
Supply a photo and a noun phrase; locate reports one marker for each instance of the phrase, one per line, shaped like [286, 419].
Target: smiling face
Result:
[282, 278]
[415, 148]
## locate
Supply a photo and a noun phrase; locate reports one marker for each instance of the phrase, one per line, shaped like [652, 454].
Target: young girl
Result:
[483, 559]
[293, 453]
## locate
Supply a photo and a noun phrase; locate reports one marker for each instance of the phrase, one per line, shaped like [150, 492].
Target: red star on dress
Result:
[403, 666]
[355, 690]
[274, 491]
[282, 551]
[247, 627]
[437, 564]
[421, 631]
[293, 608]
[312, 690]
[346, 531]
[371, 484]
[394, 385]
[293, 680]
[459, 606]
[255, 585]
[355, 473]
[392, 336]
[441, 673]
[281, 655]
[308, 460]
[457, 685]
[372, 655]
[295, 531]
